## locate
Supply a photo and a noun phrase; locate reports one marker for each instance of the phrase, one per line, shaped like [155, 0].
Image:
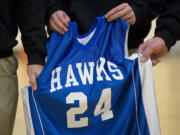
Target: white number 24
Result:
[105, 112]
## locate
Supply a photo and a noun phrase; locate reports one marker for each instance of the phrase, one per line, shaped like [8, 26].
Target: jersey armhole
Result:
[126, 53]
[125, 47]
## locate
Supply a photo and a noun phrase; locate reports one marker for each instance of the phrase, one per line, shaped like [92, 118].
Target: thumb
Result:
[141, 48]
[66, 17]
[33, 81]
[146, 54]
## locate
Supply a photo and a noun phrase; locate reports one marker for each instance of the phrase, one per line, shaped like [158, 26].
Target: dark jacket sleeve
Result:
[51, 6]
[168, 23]
[30, 19]
[146, 10]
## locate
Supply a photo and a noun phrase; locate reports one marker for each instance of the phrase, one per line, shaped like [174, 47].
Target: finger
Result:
[54, 27]
[131, 21]
[114, 10]
[119, 14]
[128, 16]
[159, 59]
[66, 17]
[33, 81]
[146, 54]
[38, 72]
[141, 48]
[63, 20]
[59, 24]
[155, 62]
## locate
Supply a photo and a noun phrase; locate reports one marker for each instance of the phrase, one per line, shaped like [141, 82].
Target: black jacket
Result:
[168, 23]
[29, 16]
[84, 12]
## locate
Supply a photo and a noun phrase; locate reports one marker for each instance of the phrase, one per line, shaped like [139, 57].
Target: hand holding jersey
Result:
[59, 20]
[153, 48]
[123, 11]
[34, 71]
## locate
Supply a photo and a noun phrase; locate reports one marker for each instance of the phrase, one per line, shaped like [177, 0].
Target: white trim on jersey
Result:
[135, 98]
[86, 39]
[126, 44]
[27, 112]
[126, 50]
[38, 113]
[148, 91]
[149, 97]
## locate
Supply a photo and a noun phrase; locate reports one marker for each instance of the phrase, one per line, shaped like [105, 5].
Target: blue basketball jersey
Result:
[90, 86]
